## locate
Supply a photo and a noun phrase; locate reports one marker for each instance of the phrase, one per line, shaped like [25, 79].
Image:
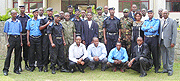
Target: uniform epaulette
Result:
[106, 18]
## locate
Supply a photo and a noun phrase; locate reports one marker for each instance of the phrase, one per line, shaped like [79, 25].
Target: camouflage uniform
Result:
[126, 33]
[69, 29]
[99, 20]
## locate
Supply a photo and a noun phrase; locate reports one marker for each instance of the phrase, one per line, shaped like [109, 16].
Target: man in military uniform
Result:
[69, 32]
[78, 23]
[99, 19]
[126, 31]
[105, 13]
[70, 10]
[111, 30]
[45, 44]
[23, 18]
[56, 37]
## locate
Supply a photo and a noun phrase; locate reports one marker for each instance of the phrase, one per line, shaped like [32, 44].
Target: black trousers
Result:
[111, 42]
[93, 64]
[153, 46]
[25, 49]
[35, 52]
[142, 65]
[73, 64]
[15, 43]
[45, 49]
[57, 55]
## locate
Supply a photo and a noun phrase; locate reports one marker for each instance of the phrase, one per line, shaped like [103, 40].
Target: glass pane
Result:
[25, 0]
[140, 0]
[15, 0]
[39, 5]
[26, 7]
[15, 5]
[168, 6]
[120, 6]
[33, 5]
[137, 4]
[35, 0]
[127, 5]
[176, 6]
[64, 5]
[144, 5]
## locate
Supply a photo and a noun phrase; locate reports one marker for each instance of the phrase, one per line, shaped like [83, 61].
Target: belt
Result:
[78, 34]
[58, 37]
[150, 36]
[15, 36]
[35, 36]
[45, 34]
[24, 33]
[111, 33]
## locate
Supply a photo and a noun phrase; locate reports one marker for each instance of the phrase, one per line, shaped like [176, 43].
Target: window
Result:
[29, 4]
[76, 3]
[173, 5]
[128, 3]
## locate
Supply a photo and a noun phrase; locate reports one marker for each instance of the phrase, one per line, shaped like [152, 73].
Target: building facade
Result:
[172, 5]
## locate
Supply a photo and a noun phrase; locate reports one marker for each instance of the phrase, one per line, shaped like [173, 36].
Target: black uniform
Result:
[45, 41]
[78, 26]
[57, 53]
[112, 28]
[24, 37]
[143, 61]
[72, 16]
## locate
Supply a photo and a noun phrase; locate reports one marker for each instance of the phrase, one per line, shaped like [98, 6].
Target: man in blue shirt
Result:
[34, 41]
[24, 18]
[150, 28]
[97, 54]
[118, 58]
[13, 31]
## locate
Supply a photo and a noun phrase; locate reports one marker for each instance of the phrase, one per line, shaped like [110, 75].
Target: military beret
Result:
[99, 8]
[77, 10]
[56, 15]
[111, 8]
[125, 10]
[89, 7]
[49, 9]
[21, 6]
[70, 6]
[34, 10]
[150, 11]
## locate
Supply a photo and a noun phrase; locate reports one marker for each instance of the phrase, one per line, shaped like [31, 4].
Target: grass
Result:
[88, 75]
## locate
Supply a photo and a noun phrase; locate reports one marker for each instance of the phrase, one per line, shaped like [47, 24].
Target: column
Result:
[20, 2]
[115, 4]
[44, 3]
[157, 5]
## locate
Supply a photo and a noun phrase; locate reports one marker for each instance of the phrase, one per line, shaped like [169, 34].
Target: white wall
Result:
[4, 5]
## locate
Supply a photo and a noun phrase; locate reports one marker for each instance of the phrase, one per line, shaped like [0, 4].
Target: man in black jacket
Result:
[141, 59]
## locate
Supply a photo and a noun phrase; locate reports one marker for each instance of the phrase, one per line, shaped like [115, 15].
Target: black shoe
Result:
[82, 70]
[143, 75]
[72, 71]
[53, 72]
[27, 67]
[32, 69]
[46, 69]
[170, 73]
[40, 69]
[57, 68]
[17, 72]
[64, 70]
[5, 73]
[20, 69]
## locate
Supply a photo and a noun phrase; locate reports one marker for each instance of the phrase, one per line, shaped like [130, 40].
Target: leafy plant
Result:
[8, 14]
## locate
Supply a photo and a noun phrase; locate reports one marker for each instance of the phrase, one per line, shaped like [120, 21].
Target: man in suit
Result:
[167, 41]
[141, 58]
[132, 13]
[90, 30]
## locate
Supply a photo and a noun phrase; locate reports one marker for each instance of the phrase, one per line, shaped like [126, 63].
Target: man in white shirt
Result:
[78, 56]
[144, 15]
[41, 12]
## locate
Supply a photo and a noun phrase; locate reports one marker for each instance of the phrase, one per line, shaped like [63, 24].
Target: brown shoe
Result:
[122, 70]
[114, 69]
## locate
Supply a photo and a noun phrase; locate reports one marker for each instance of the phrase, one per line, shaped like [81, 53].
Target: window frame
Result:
[171, 5]
[28, 2]
[131, 1]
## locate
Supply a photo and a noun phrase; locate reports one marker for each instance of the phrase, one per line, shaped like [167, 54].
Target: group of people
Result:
[135, 41]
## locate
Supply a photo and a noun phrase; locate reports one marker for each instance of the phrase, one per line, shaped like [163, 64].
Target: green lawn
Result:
[88, 75]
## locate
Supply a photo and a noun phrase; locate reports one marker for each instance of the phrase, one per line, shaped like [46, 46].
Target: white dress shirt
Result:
[90, 23]
[76, 52]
